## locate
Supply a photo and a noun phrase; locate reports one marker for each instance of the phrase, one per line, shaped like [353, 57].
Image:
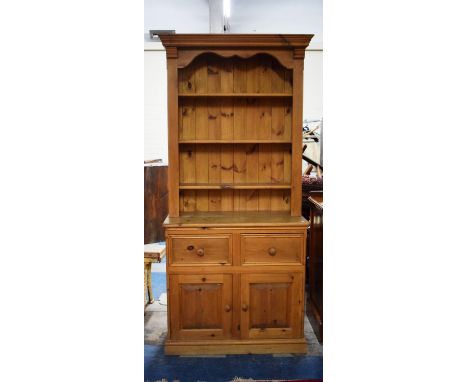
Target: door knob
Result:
[200, 252]
[245, 307]
[227, 308]
[272, 251]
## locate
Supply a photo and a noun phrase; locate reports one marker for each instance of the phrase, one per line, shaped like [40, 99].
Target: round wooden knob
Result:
[245, 307]
[200, 252]
[272, 251]
[227, 308]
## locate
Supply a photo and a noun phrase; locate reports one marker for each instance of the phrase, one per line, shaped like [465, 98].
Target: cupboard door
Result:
[272, 305]
[200, 306]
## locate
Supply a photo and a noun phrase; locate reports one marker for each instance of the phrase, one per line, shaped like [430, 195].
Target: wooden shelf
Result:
[250, 95]
[245, 186]
[232, 219]
[230, 142]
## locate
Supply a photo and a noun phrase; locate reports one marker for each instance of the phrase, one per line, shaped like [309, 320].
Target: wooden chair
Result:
[153, 253]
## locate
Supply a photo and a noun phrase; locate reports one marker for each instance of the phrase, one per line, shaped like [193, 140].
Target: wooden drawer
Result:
[267, 248]
[200, 249]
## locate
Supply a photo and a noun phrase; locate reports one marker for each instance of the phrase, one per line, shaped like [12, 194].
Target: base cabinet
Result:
[234, 291]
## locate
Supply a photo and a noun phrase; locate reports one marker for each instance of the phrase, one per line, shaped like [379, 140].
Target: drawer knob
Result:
[200, 252]
[227, 308]
[272, 251]
[245, 307]
[190, 248]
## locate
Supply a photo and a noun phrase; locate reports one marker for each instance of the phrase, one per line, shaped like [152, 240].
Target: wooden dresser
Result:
[235, 236]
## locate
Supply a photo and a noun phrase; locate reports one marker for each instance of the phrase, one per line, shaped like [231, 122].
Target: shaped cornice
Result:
[285, 41]
[186, 47]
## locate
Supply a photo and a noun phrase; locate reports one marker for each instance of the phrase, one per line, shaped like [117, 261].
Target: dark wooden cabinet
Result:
[316, 263]
[156, 202]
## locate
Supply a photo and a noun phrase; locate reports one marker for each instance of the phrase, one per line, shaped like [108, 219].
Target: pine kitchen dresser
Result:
[235, 236]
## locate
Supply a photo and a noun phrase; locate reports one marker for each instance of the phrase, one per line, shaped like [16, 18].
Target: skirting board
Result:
[296, 346]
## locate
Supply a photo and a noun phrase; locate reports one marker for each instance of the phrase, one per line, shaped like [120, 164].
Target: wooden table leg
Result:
[148, 283]
[144, 289]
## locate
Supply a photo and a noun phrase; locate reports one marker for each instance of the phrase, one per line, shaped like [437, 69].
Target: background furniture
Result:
[316, 262]
[153, 253]
[156, 197]
[235, 235]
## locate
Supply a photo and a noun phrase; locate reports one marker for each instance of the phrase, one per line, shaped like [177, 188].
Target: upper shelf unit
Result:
[235, 122]
[235, 134]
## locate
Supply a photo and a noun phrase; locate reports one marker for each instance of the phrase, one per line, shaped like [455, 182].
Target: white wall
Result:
[247, 16]
[312, 108]
[184, 16]
[155, 116]
[278, 16]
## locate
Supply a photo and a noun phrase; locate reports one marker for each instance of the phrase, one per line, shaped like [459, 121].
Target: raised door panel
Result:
[200, 307]
[272, 305]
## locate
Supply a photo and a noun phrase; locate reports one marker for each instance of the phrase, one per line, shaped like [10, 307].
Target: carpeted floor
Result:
[223, 368]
